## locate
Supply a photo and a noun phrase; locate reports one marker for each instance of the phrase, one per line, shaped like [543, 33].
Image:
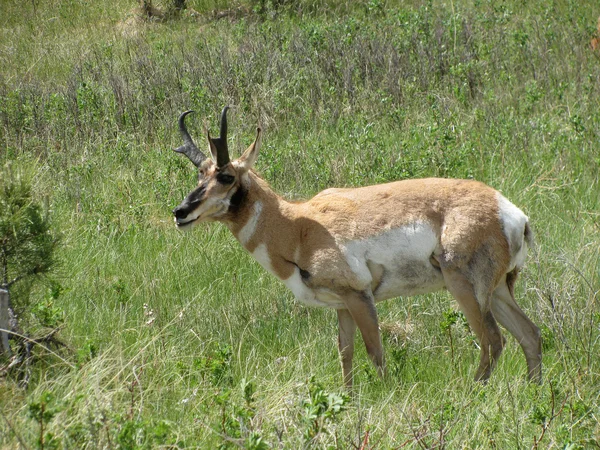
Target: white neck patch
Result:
[249, 229]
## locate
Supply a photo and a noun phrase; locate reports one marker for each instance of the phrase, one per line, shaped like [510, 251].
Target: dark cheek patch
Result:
[236, 200]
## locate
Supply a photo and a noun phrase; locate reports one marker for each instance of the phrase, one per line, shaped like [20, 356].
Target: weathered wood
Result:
[4, 321]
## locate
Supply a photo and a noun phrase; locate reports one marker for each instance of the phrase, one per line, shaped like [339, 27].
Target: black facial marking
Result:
[190, 203]
[224, 178]
[196, 196]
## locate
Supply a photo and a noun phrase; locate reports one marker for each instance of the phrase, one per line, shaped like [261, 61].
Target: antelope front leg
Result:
[347, 330]
[361, 307]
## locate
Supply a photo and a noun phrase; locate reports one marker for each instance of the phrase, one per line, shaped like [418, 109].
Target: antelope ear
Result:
[212, 148]
[248, 158]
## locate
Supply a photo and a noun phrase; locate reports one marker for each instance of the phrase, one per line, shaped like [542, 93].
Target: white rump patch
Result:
[513, 224]
[249, 229]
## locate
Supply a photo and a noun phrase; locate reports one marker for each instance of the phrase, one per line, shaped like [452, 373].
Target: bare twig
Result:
[553, 415]
[443, 431]
[14, 432]
[419, 434]
[16, 279]
[365, 441]
[23, 356]
[4, 320]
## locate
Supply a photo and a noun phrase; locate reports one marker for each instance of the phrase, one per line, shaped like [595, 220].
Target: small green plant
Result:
[320, 408]
[43, 411]
[121, 290]
[216, 364]
[46, 311]
[451, 318]
[255, 442]
[398, 360]
[132, 434]
[87, 352]
[548, 338]
[235, 424]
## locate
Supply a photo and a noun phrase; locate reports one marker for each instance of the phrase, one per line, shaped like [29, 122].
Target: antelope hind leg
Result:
[483, 324]
[527, 334]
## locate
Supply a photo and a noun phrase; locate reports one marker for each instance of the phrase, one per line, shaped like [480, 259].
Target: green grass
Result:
[166, 330]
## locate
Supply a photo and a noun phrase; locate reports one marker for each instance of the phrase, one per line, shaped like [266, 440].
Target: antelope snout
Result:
[180, 213]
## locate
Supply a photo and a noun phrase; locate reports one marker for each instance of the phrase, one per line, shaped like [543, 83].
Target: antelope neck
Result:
[261, 205]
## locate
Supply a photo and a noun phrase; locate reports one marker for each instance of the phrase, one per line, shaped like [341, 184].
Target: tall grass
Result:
[182, 339]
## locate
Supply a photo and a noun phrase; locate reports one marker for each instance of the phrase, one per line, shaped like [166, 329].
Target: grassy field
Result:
[182, 340]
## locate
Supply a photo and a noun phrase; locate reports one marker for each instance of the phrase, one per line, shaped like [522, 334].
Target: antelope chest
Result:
[303, 290]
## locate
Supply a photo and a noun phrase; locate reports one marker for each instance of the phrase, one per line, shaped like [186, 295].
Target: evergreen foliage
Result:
[27, 243]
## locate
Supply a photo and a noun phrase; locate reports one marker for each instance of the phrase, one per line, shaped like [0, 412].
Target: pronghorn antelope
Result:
[350, 248]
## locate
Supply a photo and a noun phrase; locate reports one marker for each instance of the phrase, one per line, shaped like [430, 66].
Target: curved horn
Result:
[224, 124]
[220, 143]
[188, 148]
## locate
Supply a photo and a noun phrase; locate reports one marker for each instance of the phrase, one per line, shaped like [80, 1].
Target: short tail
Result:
[528, 235]
[511, 277]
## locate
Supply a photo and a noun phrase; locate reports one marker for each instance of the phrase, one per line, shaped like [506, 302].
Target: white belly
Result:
[397, 262]
[392, 264]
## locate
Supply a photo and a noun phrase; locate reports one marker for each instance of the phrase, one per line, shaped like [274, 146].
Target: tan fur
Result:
[349, 248]
[317, 227]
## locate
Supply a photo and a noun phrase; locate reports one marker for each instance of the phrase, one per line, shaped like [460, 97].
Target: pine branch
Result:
[19, 278]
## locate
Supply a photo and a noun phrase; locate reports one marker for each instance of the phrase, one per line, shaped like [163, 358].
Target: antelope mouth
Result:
[185, 223]
[208, 215]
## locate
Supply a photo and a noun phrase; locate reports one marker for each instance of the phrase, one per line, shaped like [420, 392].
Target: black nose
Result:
[179, 212]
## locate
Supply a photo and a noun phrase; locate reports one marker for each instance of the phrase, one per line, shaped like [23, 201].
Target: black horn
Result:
[220, 143]
[188, 148]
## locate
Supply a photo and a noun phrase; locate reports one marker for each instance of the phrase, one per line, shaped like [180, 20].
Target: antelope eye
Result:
[223, 178]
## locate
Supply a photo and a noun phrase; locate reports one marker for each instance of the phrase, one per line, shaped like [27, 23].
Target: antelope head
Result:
[220, 180]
